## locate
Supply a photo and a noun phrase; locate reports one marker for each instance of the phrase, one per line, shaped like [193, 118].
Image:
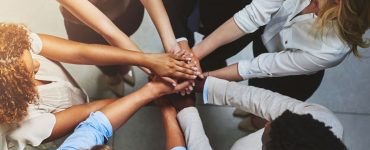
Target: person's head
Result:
[17, 88]
[101, 147]
[292, 132]
[349, 18]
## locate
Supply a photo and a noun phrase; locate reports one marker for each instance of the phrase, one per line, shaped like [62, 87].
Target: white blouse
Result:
[61, 93]
[295, 48]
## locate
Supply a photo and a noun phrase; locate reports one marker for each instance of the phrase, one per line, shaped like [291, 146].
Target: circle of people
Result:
[294, 41]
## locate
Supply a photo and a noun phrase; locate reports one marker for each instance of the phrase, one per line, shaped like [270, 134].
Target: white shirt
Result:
[260, 102]
[295, 48]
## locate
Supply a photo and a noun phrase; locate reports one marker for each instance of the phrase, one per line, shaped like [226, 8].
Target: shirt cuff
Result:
[99, 118]
[243, 21]
[36, 43]
[244, 69]
[205, 92]
[179, 148]
[181, 39]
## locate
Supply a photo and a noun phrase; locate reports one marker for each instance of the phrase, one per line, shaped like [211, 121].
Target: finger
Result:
[170, 81]
[186, 71]
[180, 53]
[185, 65]
[184, 76]
[182, 87]
[181, 58]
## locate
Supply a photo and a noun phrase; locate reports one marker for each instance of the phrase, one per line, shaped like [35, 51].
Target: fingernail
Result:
[191, 88]
[194, 77]
[193, 83]
[174, 84]
[194, 68]
[189, 59]
[182, 93]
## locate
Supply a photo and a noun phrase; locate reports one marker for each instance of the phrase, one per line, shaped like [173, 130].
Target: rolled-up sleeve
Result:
[267, 104]
[256, 14]
[286, 63]
[36, 43]
[95, 130]
[192, 126]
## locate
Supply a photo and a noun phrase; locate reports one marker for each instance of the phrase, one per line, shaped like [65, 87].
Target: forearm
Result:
[174, 136]
[225, 34]
[192, 126]
[260, 102]
[95, 19]
[62, 50]
[228, 73]
[122, 109]
[162, 23]
[95, 54]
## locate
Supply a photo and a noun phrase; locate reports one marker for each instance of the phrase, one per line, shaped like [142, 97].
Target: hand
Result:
[170, 65]
[181, 102]
[194, 62]
[194, 59]
[161, 87]
[199, 84]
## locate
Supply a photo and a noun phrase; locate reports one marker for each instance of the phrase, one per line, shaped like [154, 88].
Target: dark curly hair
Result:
[17, 89]
[301, 132]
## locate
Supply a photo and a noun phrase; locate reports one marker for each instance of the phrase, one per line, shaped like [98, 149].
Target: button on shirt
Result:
[295, 47]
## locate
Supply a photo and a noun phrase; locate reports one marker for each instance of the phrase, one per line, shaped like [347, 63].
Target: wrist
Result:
[153, 90]
[146, 60]
[197, 51]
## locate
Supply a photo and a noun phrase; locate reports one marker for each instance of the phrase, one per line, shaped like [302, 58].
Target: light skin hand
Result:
[161, 87]
[194, 61]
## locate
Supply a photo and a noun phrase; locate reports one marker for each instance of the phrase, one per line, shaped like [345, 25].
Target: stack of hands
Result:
[178, 68]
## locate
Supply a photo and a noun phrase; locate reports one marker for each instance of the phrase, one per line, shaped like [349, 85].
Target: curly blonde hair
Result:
[349, 18]
[17, 89]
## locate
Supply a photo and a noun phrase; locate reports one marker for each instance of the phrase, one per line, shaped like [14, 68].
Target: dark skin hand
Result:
[199, 84]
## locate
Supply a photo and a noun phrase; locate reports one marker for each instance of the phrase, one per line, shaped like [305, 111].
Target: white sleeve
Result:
[192, 126]
[285, 63]
[36, 43]
[3, 143]
[266, 104]
[256, 14]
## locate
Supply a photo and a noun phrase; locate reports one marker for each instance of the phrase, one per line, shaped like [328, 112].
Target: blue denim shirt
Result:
[95, 130]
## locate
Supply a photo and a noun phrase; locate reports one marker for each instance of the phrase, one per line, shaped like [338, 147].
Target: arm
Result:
[278, 64]
[122, 109]
[95, 19]
[161, 21]
[78, 53]
[174, 137]
[229, 73]
[190, 122]
[100, 125]
[247, 20]
[264, 103]
[192, 127]
[178, 13]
